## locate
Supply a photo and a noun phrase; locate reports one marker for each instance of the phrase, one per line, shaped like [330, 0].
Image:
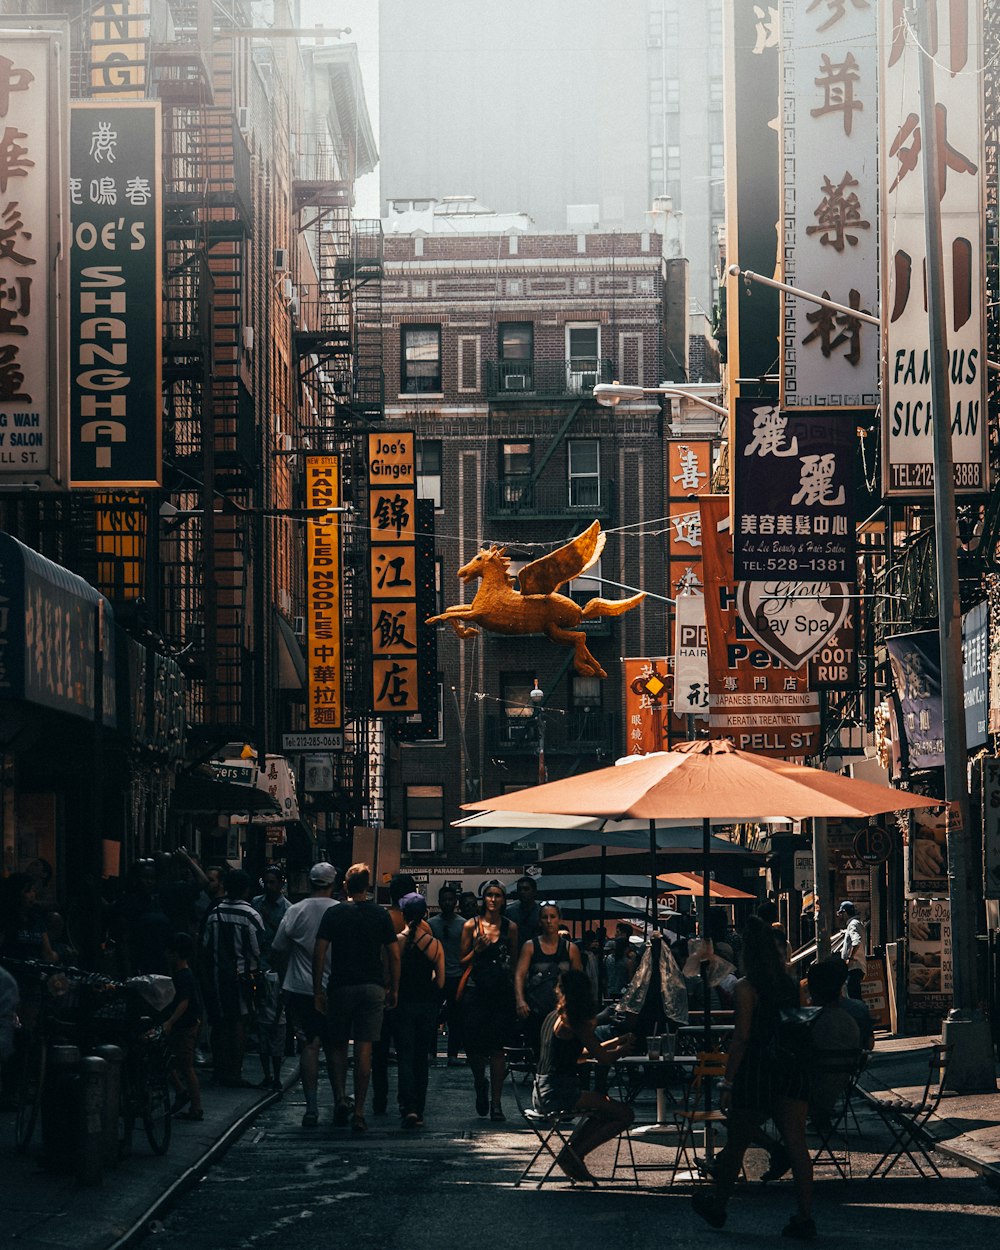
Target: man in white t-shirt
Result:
[292, 949]
[852, 947]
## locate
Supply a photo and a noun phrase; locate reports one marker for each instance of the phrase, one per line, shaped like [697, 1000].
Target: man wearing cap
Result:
[852, 947]
[525, 911]
[292, 948]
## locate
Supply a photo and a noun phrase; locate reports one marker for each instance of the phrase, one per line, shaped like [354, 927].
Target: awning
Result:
[291, 662]
[197, 796]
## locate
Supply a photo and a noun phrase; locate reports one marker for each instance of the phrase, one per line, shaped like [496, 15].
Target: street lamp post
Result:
[537, 697]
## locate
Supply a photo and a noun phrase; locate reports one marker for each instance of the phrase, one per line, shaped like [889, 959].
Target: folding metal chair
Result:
[710, 1065]
[847, 1064]
[907, 1120]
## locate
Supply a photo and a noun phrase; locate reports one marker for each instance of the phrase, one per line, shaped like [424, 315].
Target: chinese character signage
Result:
[690, 657]
[689, 474]
[752, 45]
[115, 314]
[830, 202]
[916, 674]
[754, 700]
[324, 655]
[119, 48]
[393, 573]
[956, 46]
[646, 705]
[33, 246]
[425, 724]
[793, 493]
[975, 652]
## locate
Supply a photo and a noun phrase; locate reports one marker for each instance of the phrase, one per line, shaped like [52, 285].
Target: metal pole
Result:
[823, 904]
[653, 911]
[972, 1065]
[706, 895]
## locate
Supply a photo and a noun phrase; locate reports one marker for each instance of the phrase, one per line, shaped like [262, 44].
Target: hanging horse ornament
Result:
[501, 607]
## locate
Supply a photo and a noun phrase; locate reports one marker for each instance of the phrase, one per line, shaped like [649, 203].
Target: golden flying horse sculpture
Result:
[500, 607]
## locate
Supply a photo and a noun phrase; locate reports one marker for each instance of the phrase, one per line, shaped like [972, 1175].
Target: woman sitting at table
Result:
[566, 1033]
[542, 961]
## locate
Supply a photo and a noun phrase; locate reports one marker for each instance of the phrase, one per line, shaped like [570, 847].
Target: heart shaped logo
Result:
[793, 620]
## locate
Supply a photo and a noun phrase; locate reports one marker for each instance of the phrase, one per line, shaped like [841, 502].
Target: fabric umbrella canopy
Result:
[629, 907]
[585, 885]
[694, 883]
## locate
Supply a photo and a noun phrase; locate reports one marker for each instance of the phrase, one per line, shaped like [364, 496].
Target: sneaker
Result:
[310, 1120]
[709, 1208]
[497, 1115]
[410, 1121]
[800, 1228]
[342, 1113]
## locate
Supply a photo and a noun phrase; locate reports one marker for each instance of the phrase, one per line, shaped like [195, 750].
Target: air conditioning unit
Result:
[515, 382]
[288, 289]
[299, 628]
[248, 338]
[281, 259]
[422, 840]
[284, 442]
[243, 118]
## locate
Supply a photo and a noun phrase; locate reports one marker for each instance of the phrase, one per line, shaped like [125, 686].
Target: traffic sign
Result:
[873, 845]
[312, 742]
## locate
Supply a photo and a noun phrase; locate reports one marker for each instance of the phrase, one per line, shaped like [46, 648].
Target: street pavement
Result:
[281, 1185]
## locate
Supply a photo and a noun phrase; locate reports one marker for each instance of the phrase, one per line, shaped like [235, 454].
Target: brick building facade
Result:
[492, 345]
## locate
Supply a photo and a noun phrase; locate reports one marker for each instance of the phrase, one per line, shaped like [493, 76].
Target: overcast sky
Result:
[362, 17]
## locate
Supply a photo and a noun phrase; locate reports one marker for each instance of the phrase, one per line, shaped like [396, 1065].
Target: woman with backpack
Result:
[421, 979]
[539, 966]
[487, 995]
[763, 1080]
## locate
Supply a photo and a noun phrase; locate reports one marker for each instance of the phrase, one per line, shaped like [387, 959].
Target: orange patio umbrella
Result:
[694, 883]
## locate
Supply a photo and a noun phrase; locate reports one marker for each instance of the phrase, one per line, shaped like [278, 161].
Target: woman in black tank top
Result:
[542, 961]
[565, 1034]
[421, 981]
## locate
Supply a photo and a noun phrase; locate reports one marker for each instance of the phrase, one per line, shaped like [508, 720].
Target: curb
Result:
[190, 1177]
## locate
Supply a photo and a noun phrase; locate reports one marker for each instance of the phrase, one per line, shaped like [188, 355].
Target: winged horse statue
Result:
[500, 607]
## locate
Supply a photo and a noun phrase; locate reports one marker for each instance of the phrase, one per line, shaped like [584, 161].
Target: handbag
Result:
[462, 983]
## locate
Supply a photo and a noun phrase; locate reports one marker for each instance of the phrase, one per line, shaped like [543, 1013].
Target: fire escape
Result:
[338, 346]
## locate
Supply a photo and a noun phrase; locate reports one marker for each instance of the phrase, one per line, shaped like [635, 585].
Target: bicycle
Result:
[145, 1092]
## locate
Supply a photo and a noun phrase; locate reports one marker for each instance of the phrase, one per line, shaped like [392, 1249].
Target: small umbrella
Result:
[694, 883]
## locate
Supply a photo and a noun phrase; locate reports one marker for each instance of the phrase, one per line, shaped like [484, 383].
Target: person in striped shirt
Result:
[231, 943]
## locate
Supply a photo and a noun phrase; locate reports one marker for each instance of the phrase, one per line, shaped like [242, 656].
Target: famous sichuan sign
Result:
[500, 607]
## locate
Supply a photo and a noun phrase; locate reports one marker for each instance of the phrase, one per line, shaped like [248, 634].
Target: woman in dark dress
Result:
[489, 943]
[566, 1033]
[539, 966]
[760, 1083]
[421, 980]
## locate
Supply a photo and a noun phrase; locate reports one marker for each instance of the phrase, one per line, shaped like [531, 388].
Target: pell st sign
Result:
[793, 620]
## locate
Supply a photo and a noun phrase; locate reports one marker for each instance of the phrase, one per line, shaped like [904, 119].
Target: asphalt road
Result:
[285, 1186]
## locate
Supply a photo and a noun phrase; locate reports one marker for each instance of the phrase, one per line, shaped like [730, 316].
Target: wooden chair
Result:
[709, 1066]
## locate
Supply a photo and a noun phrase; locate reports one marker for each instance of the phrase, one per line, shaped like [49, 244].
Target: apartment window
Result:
[580, 589]
[586, 693]
[656, 94]
[672, 28]
[716, 160]
[516, 460]
[672, 99]
[517, 705]
[673, 162]
[516, 346]
[429, 455]
[421, 359]
[424, 818]
[584, 473]
[715, 27]
[656, 166]
[583, 351]
[715, 93]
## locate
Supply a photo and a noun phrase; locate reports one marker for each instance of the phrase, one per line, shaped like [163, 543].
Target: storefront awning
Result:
[203, 796]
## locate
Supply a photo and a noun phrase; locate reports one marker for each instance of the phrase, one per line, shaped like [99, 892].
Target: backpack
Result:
[791, 1041]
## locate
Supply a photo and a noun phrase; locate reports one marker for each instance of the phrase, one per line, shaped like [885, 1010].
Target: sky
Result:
[362, 17]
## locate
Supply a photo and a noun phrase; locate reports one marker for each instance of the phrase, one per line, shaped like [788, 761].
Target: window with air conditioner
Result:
[517, 706]
[420, 358]
[422, 840]
[429, 455]
[424, 817]
[516, 354]
[584, 466]
[583, 350]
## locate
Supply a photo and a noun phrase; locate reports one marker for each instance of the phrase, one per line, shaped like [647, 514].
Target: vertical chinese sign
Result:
[956, 47]
[752, 199]
[689, 474]
[324, 653]
[754, 700]
[116, 320]
[646, 705]
[392, 518]
[829, 164]
[34, 113]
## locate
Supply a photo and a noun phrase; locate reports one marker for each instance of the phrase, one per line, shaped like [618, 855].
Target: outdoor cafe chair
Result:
[709, 1066]
[907, 1119]
[848, 1063]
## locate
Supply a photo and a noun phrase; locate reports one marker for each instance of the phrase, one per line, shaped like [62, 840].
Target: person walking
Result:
[232, 949]
[271, 907]
[421, 980]
[525, 911]
[400, 884]
[489, 944]
[363, 980]
[181, 1028]
[541, 962]
[853, 943]
[447, 928]
[567, 1031]
[292, 950]
[761, 1082]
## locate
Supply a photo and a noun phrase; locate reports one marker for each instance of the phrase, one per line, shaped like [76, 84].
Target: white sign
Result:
[292, 743]
[830, 202]
[803, 876]
[34, 217]
[690, 657]
[793, 620]
[956, 46]
[318, 774]
[991, 827]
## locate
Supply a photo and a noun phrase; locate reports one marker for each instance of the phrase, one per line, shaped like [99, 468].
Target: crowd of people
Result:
[336, 968]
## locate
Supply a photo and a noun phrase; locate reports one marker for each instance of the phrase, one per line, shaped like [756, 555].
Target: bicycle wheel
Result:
[29, 1094]
[156, 1118]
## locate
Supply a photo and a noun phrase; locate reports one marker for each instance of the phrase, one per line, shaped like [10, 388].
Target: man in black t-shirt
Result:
[363, 982]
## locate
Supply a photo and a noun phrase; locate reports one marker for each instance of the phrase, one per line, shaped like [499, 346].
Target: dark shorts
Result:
[355, 1012]
[182, 1042]
[306, 1020]
[557, 1092]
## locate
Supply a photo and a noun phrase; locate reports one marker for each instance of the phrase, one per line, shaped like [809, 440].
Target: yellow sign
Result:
[393, 573]
[392, 515]
[394, 628]
[391, 460]
[323, 606]
[119, 48]
[394, 687]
